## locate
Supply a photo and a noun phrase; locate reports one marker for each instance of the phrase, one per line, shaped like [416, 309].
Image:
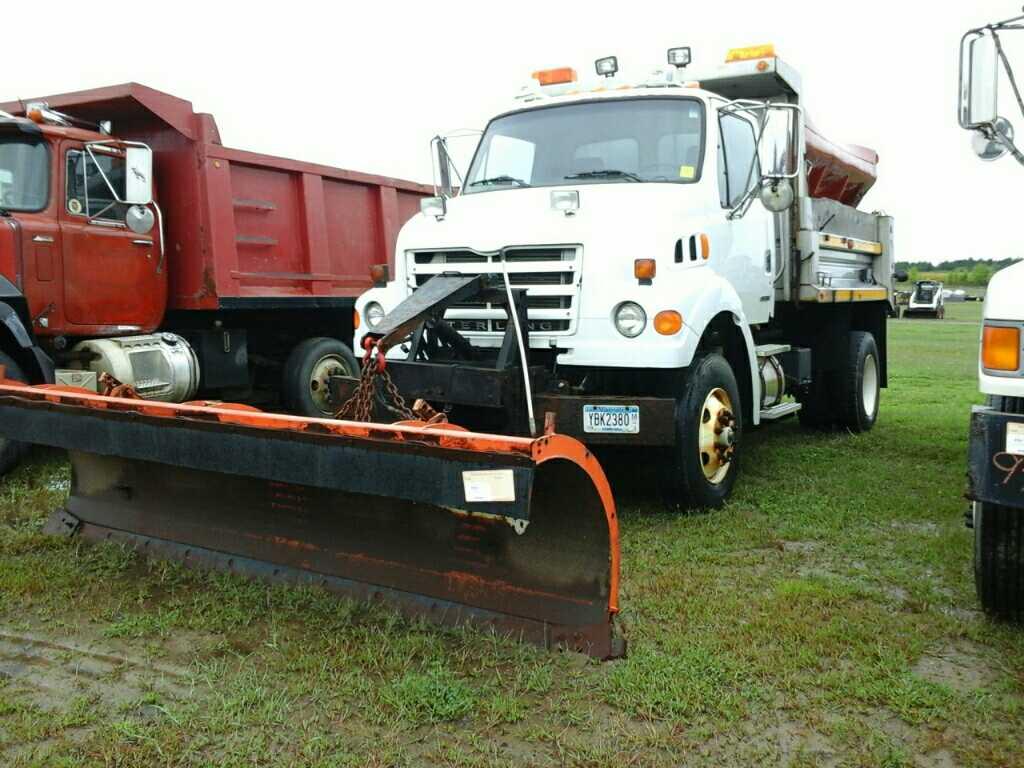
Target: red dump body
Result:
[243, 226]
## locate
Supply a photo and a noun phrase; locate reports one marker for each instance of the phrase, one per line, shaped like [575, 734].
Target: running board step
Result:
[780, 411]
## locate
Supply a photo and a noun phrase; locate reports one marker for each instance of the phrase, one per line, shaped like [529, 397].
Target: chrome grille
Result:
[550, 275]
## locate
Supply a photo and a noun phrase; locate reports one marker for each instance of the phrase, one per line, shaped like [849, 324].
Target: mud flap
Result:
[516, 534]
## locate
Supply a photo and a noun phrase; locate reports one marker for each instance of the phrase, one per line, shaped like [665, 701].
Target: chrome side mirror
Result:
[979, 80]
[138, 175]
[444, 166]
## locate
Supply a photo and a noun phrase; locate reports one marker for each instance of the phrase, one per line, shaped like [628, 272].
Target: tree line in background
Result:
[976, 272]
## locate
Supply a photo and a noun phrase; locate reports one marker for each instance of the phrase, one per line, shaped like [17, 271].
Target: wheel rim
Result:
[869, 385]
[319, 381]
[717, 436]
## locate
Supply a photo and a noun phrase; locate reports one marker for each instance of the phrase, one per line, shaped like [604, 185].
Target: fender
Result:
[708, 298]
[23, 347]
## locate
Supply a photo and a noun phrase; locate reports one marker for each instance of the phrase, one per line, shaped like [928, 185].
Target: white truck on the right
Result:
[996, 452]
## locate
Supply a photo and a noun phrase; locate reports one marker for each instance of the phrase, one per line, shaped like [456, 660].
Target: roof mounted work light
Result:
[607, 66]
[679, 57]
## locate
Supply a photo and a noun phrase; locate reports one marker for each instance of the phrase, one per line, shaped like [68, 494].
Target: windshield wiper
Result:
[4, 212]
[605, 174]
[499, 180]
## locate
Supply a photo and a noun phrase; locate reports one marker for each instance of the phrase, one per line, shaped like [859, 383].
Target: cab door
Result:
[111, 278]
[749, 263]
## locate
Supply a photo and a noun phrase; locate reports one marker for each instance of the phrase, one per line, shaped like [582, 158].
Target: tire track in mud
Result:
[53, 673]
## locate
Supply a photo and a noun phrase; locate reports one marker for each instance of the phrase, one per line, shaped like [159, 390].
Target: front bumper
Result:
[995, 466]
[473, 390]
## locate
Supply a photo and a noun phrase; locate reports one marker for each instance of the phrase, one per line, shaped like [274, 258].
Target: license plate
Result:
[611, 419]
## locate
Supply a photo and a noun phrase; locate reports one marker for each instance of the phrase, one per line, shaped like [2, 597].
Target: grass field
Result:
[826, 617]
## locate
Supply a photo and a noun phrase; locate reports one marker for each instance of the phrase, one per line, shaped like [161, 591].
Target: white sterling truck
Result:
[684, 257]
[996, 453]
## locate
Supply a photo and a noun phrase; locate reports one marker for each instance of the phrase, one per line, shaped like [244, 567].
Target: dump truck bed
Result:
[245, 230]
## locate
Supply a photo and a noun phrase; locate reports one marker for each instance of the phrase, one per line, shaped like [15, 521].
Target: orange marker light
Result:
[1000, 348]
[766, 51]
[705, 247]
[645, 269]
[379, 274]
[355, 319]
[555, 76]
[668, 322]
[35, 115]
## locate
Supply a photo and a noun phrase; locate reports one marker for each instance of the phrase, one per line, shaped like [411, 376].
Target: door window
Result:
[89, 193]
[737, 159]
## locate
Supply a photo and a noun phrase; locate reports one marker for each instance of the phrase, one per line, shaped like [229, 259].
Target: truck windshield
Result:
[599, 142]
[24, 175]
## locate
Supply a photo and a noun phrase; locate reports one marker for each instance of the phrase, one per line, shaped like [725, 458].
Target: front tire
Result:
[307, 372]
[701, 469]
[999, 560]
[11, 451]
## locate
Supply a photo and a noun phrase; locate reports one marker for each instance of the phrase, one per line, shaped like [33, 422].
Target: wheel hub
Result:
[717, 435]
[319, 378]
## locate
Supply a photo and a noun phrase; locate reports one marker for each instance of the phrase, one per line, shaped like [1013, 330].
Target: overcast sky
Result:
[364, 86]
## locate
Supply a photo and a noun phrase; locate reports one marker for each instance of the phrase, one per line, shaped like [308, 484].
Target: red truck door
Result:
[111, 282]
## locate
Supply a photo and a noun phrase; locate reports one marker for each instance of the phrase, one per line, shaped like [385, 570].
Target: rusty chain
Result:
[359, 407]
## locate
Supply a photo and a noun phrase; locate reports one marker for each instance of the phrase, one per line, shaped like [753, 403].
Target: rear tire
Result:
[999, 560]
[701, 469]
[860, 383]
[11, 451]
[307, 371]
[847, 397]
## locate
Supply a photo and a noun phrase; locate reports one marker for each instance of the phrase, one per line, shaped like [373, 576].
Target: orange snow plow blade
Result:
[515, 534]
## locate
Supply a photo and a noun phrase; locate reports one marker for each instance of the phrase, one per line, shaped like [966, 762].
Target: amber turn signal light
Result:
[355, 319]
[705, 247]
[556, 76]
[645, 269]
[1000, 348]
[379, 274]
[668, 322]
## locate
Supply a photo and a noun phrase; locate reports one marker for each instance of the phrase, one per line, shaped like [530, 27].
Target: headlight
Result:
[373, 312]
[630, 319]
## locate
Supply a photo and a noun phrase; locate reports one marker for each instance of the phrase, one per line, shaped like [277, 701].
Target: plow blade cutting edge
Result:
[516, 534]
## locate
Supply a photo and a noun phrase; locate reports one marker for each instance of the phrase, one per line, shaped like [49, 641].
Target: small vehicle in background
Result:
[926, 300]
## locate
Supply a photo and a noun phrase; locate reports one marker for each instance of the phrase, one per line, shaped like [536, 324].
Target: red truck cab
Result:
[82, 270]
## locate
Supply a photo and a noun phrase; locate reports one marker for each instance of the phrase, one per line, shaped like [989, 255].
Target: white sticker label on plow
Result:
[1015, 437]
[489, 485]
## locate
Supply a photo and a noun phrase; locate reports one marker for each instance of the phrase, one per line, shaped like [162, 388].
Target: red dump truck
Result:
[133, 243]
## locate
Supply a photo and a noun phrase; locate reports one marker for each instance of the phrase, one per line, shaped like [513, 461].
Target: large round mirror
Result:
[139, 219]
[777, 195]
[990, 147]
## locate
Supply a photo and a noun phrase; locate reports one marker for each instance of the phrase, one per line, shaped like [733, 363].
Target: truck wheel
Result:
[11, 451]
[307, 371]
[999, 560]
[702, 467]
[859, 383]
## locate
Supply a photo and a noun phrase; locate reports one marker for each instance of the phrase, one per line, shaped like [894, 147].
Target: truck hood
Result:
[489, 221]
[1003, 297]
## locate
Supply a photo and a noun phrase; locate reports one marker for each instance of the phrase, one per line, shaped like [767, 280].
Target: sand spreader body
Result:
[518, 534]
